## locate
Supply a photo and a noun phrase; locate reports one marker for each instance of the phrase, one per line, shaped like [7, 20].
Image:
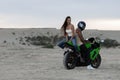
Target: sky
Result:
[98, 14]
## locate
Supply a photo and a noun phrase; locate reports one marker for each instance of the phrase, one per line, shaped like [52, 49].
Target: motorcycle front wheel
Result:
[96, 63]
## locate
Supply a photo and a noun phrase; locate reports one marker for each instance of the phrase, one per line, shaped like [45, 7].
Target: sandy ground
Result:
[35, 63]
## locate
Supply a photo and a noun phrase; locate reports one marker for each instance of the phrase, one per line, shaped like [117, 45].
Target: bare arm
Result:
[73, 33]
[78, 31]
[66, 37]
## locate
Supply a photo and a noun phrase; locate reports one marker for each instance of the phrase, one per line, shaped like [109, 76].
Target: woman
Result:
[69, 33]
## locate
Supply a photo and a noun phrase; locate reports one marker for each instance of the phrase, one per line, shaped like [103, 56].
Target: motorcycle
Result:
[73, 59]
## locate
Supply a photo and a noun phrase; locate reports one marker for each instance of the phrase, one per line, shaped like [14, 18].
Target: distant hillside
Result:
[11, 35]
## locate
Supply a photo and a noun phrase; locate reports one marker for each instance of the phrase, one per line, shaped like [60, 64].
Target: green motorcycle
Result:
[73, 59]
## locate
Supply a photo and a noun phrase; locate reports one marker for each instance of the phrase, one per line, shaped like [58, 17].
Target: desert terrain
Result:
[23, 62]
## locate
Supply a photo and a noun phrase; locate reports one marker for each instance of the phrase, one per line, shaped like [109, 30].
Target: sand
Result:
[35, 63]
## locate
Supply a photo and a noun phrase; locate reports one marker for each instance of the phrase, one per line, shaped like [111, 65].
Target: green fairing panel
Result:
[71, 44]
[94, 53]
[88, 45]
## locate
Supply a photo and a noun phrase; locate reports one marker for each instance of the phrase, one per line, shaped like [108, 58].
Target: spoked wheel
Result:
[69, 60]
[96, 63]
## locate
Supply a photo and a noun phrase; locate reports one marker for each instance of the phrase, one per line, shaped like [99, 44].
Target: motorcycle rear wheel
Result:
[69, 60]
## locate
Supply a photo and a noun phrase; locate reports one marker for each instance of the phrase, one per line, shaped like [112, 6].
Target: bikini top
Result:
[69, 32]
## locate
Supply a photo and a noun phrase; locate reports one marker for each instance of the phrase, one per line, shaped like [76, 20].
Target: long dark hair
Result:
[63, 28]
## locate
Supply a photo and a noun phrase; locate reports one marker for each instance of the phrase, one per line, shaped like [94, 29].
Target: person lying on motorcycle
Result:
[84, 51]
[69, 33]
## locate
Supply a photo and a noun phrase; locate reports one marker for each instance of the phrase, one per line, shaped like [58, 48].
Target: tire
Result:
[96, 63]
[69, 60]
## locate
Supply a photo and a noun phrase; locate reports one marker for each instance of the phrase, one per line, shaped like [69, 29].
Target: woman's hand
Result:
[66, 38]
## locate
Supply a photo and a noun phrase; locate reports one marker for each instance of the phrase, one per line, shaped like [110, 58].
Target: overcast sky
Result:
[98, 14]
